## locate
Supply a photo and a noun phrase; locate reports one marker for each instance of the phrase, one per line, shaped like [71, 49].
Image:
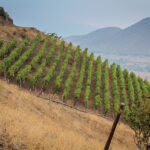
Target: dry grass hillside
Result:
[28, 122]
[9, 31]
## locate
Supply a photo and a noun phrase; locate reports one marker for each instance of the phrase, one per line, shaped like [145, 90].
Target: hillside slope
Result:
[9, 31]
[28, 122]
[50, 66]
[45, 64]
[55, 70]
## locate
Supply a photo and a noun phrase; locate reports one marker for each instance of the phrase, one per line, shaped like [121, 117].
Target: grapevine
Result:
[137, 89]
[6, 62]
[116, 96]
[129, 87]
[106, 102]
[123, 94]
[22, 75]
[79, 84]
[70, 78]
[88, 81]
[59, 77]
[16, 66]
[97, 98]
[50, 74]
[40, 70]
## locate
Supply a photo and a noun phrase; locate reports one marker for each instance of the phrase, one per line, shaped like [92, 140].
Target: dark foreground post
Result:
[114, 127]
[148, 147]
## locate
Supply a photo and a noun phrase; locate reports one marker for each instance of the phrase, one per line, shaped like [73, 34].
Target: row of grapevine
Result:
[59, 77]
[6, 62]
[1, 42]
[143, 86]
[6, 48]
[97, 97]
[70, 78]
[16, 66]
[115, 92]
[51, 50]
[89, 79]
[137, 89]
[50, 73]
[106, 101]
[40, 70]
[22, 75]
[40, 54]
[147, 85]
[129, 86]
[123, 93]
[79, 84]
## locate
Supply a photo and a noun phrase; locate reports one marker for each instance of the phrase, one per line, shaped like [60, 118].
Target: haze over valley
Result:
[128, 47]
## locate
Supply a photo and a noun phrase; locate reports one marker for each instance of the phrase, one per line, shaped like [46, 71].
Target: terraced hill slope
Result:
[50, 66]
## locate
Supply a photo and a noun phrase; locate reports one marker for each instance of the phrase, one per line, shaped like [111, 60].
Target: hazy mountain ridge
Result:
[128, 47]
[131, 40]
[93, 39]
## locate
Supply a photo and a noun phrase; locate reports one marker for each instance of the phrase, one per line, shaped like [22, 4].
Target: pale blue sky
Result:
[75, 17]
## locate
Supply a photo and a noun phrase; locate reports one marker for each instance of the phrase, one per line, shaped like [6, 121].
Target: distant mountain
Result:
[93, 39]
[134, 39]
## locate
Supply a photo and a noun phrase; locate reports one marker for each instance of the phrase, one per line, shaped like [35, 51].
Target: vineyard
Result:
[45, 65]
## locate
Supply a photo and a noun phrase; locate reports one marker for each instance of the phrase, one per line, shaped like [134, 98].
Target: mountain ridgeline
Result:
[134, 39]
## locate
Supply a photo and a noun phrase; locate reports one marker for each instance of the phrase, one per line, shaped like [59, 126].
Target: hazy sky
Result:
[75, 17]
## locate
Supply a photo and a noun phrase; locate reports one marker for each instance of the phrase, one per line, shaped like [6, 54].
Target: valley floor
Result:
[29, 122]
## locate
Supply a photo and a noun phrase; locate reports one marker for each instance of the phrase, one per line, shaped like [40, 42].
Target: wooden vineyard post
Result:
[114, 127]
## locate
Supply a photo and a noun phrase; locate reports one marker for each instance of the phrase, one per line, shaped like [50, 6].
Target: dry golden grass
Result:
[28, 122]
[8, 33]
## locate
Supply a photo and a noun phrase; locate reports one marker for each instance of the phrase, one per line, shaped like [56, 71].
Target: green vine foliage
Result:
[137, 89]
[116, 96]
[70, 78]
[143, 86]
[79, 84]
[40, 54]
[6, 62]
[50, 74]
[59, 77]
[123, 93]
[22, 75]
[139, 121]
[40, 70]
[106, 101]
[1, 42]
[147, 85]
[22, 59]
[97, 91]
[6, 48]
[89, 79]
[130, 87]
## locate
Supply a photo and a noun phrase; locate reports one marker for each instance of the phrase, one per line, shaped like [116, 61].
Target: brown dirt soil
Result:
[32, 123]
